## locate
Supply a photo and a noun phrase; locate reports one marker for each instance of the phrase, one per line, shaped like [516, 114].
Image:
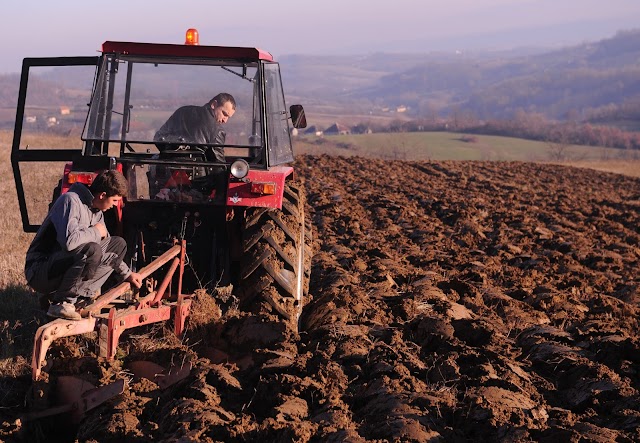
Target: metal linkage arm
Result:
[135, 316]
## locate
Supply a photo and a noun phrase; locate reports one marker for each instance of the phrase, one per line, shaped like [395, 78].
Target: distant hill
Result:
[595, 81]
[580, 82]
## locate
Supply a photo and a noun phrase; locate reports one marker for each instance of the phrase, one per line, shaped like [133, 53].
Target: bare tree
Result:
[558, 144]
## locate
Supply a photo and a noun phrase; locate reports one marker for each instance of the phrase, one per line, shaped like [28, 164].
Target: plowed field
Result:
[451, 301]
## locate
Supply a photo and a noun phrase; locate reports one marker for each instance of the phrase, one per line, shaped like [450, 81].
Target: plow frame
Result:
[153, 308]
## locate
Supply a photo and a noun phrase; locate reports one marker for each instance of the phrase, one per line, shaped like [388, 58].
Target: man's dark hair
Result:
[222, 98]
[111, 182]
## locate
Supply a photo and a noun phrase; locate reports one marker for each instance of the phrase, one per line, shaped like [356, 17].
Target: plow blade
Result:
[158, 374]
[77, 396]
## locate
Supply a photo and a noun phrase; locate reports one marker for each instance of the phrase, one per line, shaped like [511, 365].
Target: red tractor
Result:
[228, 212]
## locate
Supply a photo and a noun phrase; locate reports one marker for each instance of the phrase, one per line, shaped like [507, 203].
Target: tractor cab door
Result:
[51, 112]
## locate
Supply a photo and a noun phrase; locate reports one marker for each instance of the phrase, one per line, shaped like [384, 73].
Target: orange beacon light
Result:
[192, 37]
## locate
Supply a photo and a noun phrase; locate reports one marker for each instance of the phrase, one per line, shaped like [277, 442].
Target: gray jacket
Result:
[69, 224]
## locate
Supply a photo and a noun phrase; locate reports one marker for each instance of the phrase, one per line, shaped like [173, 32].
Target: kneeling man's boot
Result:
[64, 310]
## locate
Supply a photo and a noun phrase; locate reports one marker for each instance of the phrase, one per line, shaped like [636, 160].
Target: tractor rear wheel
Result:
[276, 260]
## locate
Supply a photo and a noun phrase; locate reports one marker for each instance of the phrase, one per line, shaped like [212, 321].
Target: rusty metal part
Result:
[167, 280]
[150, 309]
[116, 292]
[173, 376]
[51, 331]
[120, 321]
[144, 369]
[158, 374]
[77, 396]
[183, 307]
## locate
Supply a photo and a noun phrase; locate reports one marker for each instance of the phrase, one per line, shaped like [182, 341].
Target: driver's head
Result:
[223, 107]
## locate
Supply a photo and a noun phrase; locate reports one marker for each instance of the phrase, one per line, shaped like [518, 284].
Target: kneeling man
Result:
[72, 254]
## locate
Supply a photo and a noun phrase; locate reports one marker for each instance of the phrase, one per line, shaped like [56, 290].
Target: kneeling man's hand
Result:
[135, 279]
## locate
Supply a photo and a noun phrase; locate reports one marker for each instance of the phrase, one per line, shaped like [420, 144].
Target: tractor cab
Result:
[78, 115]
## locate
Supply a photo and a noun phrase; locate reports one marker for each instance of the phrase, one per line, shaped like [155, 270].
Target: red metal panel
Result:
[239, 192]
[118, 322]
[225, 52]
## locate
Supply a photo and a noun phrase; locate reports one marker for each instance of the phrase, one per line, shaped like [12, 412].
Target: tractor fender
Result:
[247, 191]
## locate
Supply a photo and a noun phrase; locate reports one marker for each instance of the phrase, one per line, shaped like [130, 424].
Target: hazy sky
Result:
[282, 27]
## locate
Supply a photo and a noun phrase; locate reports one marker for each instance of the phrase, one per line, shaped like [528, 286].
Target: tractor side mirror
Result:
[298, 119]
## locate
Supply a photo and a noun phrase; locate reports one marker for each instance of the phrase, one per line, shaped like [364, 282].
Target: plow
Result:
[110, 315]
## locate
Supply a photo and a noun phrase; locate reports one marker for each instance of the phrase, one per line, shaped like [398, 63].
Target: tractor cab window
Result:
[135, 96]
[280, 150]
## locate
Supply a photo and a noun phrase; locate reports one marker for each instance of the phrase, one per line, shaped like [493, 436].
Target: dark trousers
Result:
[65, 276]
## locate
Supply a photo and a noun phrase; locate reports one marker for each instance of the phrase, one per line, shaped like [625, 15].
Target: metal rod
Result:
[166, 281]
[183, 253]
[116, 292]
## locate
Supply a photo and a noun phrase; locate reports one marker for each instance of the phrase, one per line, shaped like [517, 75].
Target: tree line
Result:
[531, 126]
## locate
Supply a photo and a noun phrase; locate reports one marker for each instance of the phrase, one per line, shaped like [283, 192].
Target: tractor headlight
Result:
[239, 168]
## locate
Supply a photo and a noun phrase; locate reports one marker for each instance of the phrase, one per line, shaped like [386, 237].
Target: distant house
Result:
[64, 110]
[313, 130]
[52, 121]
[361, 128]
[31, 119]
[401, 108]
[337, 129]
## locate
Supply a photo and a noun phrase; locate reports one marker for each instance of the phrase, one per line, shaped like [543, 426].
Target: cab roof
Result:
[171, 50]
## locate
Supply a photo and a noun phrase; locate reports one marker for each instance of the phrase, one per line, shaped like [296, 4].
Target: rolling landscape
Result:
[592, 82]
[476, 239]
[595, 82]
